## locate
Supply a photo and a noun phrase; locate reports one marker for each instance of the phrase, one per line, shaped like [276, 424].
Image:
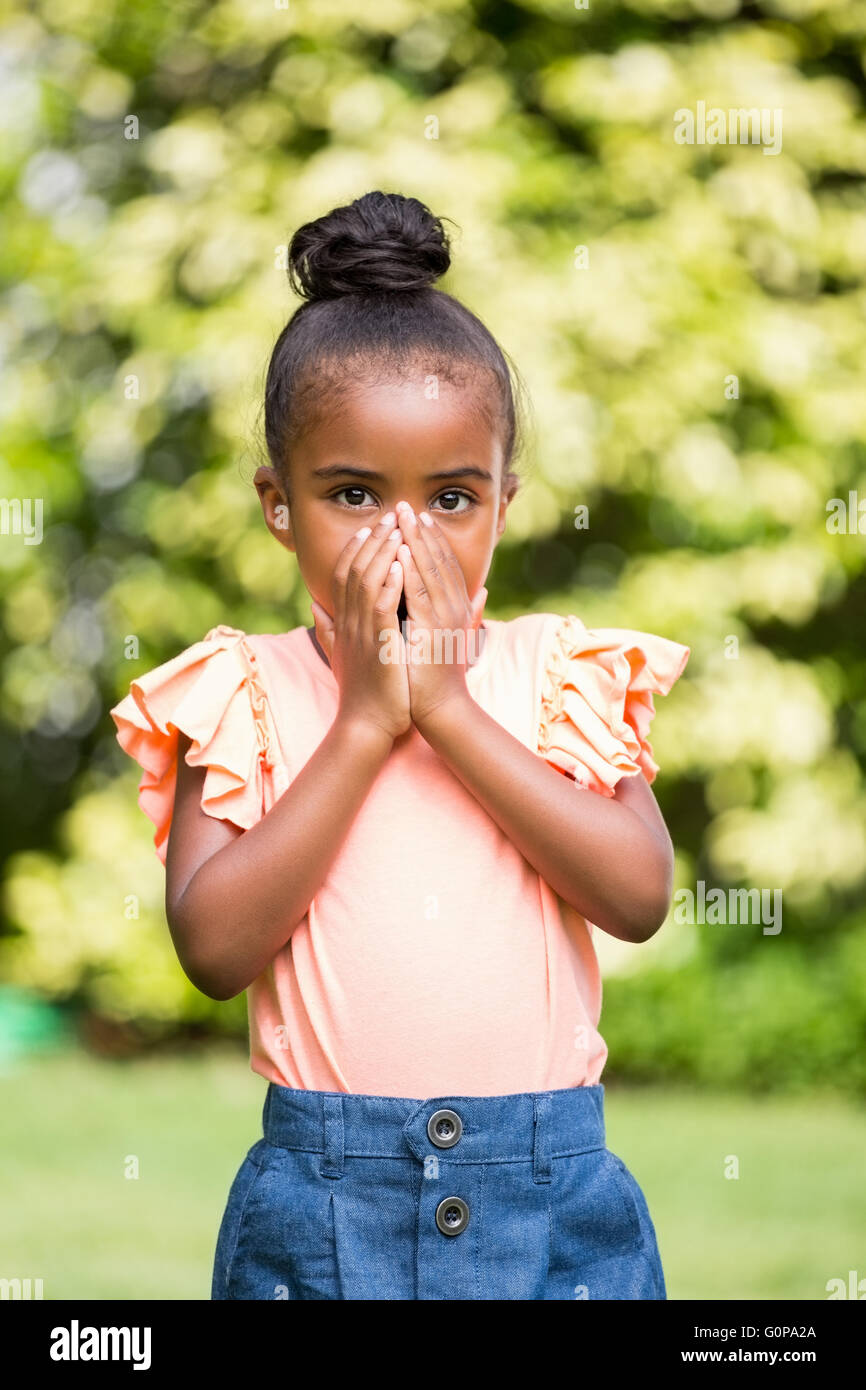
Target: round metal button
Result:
[452, 1216]
[444, 1128]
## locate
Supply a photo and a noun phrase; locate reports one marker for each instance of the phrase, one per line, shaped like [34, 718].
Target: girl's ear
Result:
[509, 492]
[275, 507]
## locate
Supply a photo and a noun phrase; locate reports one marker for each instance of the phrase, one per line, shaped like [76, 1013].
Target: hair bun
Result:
[379, 243]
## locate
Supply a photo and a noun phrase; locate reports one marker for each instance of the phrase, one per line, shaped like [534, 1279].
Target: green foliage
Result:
[142, 292]
[783, 1019]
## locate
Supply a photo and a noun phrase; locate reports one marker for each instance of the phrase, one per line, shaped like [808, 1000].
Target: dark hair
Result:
[366, 272]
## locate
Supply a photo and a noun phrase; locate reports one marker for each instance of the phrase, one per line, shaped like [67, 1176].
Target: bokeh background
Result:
[690, 323]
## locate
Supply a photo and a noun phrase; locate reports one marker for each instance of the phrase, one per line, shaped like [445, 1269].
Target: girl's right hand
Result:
[367, 584]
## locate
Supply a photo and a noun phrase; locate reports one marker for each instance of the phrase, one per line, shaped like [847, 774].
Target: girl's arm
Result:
[234, 897]
[611, 858]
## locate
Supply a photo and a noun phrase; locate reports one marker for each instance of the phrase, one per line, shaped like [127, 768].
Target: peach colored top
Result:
[433, 960]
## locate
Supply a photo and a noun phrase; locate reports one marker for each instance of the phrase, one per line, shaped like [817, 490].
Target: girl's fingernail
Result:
[363, 533]
[395, 566]
[388, 519]
[394, 534]
[425, 518]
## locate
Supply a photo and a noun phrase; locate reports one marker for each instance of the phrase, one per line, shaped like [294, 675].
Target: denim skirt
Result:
[453, 1197]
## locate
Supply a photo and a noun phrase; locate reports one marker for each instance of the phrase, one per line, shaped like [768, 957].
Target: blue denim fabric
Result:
[338, 1200]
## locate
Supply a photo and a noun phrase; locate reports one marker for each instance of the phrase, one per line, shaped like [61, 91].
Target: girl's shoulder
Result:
[225, 655]
[212, 693]
[596, 694]
[555, 641]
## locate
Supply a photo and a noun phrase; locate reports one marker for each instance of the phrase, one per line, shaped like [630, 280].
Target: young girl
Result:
[396, 837]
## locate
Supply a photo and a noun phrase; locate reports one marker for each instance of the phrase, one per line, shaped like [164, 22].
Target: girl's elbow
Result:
[206, 977]
[217, 990]
[639, 925]
[194, 949]
[635, 921]
[657, 901]
[220, 984]
[206, 981]
[653, 919]
[646, 910]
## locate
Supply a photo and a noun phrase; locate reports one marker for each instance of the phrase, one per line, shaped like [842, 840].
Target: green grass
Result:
[794, 1218]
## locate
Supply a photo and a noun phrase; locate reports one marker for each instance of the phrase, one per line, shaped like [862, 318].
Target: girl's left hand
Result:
[439, 611]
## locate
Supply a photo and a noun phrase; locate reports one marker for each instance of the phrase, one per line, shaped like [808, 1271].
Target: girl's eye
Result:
[353, 505]
[452, 492]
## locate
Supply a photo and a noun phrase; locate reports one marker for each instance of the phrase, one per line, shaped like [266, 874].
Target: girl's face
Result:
[390, 443]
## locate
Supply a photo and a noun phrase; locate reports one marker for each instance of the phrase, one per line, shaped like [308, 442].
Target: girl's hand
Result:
[440, 610]
[366, 587]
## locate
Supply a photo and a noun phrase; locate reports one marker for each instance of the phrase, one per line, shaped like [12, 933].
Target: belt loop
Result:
[541, 1147]
[332, 1159]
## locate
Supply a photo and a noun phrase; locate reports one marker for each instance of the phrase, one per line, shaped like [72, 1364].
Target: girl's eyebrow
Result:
[330, 470]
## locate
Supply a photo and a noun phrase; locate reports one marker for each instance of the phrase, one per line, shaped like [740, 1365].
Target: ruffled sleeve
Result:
[209, 692]
[597, 701]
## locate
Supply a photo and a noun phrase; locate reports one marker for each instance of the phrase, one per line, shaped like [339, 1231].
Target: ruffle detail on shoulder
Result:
[210, 692]
[597, 701]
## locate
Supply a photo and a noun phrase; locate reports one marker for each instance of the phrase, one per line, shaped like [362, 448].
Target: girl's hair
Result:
[366, 272]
